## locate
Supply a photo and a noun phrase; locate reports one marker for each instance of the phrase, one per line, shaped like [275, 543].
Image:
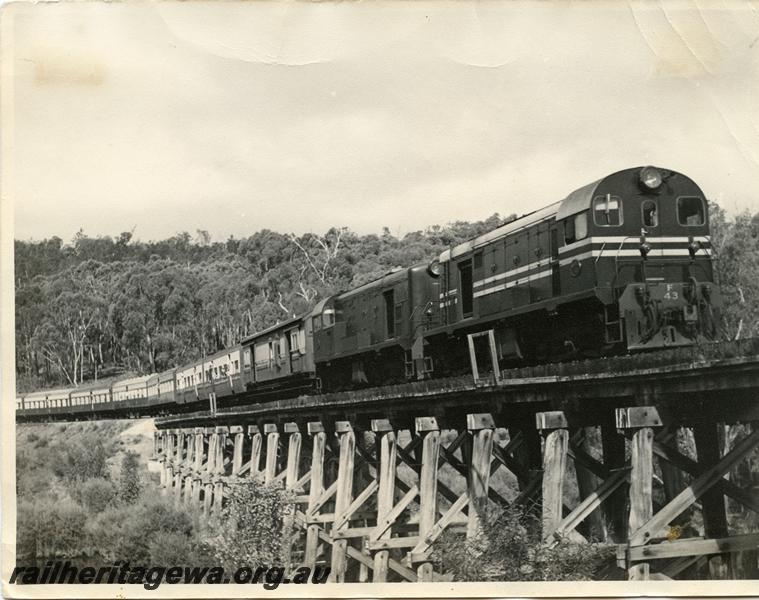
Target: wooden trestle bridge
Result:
[380, 474]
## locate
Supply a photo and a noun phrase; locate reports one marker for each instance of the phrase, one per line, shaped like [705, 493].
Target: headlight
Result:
[434, 268]
[650, 177]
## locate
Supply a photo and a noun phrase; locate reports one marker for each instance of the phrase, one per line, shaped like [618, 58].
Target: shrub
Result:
[126, 532]
[130, 485]
[26, 529]
[254, 529]
[46, 528]
[95, 494]
[82, 461]
[509, 548]
[174, 548]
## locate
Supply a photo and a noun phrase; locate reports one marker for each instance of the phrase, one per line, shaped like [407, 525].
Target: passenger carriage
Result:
[45, 402]
[282, 353]
[128, 395]
[220, 373]
[89, 399]
[162, 388]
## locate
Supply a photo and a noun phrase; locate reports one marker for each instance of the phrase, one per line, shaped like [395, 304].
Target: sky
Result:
[233, 117]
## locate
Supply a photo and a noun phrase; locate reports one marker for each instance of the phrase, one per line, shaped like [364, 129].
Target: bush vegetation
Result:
[509, 548]
[77, 501]
[257, 530]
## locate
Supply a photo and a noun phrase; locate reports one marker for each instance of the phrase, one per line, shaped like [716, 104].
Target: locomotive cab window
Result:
[576, 228]
[690, 211]
[650, 213]
[607, 211]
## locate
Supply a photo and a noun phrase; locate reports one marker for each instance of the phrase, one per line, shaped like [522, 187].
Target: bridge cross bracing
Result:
[375, 489]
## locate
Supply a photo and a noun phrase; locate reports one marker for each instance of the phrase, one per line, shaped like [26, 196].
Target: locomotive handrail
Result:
[622, 243]
[601, 251]
[616, 257]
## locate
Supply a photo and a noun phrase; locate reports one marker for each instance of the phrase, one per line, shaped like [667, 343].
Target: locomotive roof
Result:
[577, 201]
[580, 199]
[392, 275]
[502, 231]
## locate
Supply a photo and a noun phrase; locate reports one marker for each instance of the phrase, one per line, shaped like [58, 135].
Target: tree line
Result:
[99, 306]
[102, 306]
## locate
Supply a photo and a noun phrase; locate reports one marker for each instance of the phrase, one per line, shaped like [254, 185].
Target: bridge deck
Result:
[723, 377]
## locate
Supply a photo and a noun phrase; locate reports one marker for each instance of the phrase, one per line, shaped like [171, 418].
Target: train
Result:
[621, 265]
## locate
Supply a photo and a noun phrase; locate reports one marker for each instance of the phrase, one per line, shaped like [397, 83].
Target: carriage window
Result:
[690, 211]
[650, 213]
[576, 228]
[294, 341]
[607, 211]
[328, 317]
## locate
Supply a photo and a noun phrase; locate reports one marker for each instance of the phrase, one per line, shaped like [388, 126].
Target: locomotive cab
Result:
[641, 238]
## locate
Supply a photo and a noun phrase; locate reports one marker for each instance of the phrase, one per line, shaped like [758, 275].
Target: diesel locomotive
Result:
[623, 264]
